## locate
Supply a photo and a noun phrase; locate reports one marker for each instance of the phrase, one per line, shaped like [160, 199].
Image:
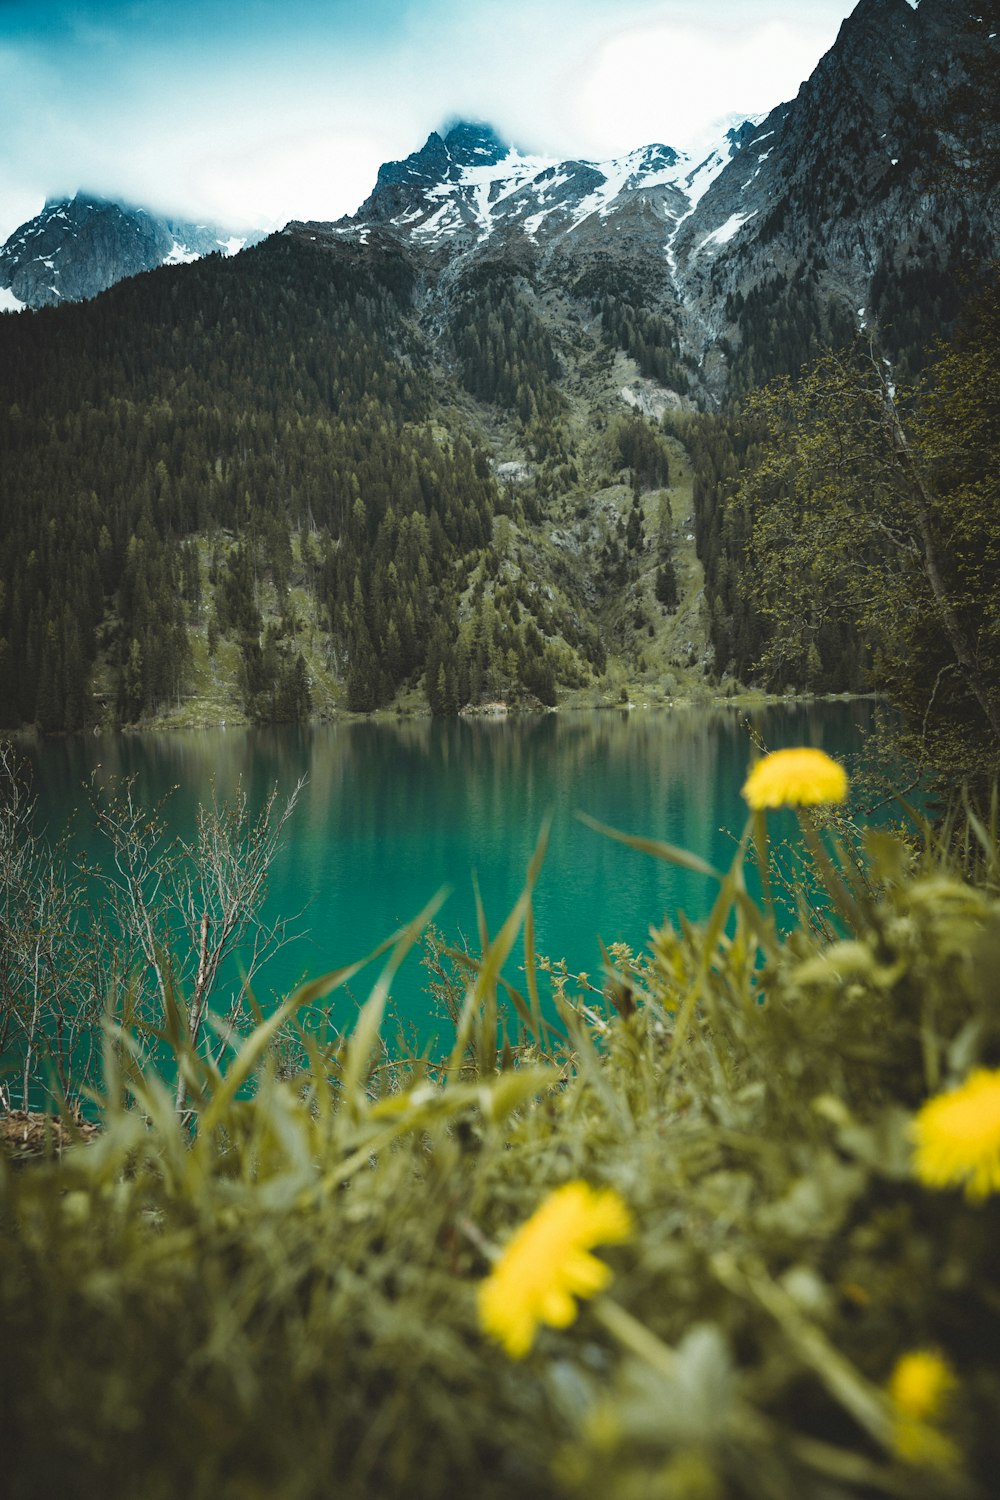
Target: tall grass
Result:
[275, 1294]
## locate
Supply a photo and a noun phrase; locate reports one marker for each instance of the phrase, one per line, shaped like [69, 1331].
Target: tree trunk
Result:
[949, 623]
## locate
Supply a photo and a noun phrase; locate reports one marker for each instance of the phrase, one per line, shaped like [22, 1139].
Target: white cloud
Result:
[666, 83]
[309, 171]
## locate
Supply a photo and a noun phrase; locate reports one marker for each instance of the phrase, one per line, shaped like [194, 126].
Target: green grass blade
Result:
[659, 850]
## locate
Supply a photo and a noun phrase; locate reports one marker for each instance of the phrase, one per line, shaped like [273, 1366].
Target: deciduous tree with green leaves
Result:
[875, 513]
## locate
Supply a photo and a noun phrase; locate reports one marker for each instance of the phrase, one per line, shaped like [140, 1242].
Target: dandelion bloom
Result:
[795, 778]
[547, 1263]
[920, 1383]
[957, 1137]
[919, 1387]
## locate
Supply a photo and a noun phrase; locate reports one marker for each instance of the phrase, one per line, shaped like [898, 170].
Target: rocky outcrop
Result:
[862, 179]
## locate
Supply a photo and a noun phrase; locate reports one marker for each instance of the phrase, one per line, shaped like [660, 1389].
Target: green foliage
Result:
[270, 396]
[505, 353]
[666, 585]
[918, 299]
[641, 448]
[275, 424]
[633, 297]
[280, 1298]
[513, 642]
[649, 339]
[719, 447]
[781, 325]
[849, 534]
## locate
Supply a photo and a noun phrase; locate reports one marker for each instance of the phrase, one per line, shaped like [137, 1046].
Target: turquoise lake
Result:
[394, 810]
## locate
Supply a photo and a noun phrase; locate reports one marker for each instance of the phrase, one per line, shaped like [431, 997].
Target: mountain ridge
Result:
[853, 187]
[469, 183]
[837, 182]
[78, 247]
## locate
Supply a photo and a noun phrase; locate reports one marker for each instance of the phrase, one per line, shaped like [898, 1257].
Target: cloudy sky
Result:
[252, 112]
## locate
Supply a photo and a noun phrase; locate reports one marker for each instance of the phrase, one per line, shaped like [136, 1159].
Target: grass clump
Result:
[733, 1276]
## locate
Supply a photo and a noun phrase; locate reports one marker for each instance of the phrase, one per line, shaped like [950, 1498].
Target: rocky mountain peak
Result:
[460, 189]
[853, 190]
[77, 247]
[473, 144]
[838, 206]
[833, 193]
[442, 159]
[429, 164]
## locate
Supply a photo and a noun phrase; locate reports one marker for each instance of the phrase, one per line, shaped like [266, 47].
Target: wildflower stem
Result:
[868, 1406]
[851, 1468]
[839, 894]
[474, 1233]
[759, 818]
[635, 1336]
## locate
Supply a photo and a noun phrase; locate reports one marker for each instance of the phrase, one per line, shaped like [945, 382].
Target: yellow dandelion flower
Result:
[921, 1383]
[957, 1137]
[795, 778]
[547, 1263]
[920, 1387]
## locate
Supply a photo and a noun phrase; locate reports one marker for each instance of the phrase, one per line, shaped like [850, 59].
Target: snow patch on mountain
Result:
[179, 255]
[726, 231]
[470, 184]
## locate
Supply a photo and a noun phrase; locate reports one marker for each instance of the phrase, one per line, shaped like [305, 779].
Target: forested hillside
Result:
[271, 475]
[185, 448]
[537, 433]
[282, 473]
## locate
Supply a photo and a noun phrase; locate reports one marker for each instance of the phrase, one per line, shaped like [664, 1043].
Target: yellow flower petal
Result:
[921, 1382]
[795, 778]
[557, 1308]
[585, 1275]
[957, 1137]
[548, 1262]
[919, 1387]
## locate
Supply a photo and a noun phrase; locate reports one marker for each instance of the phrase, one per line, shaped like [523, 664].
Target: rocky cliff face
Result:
[864, 180]
[78, 247]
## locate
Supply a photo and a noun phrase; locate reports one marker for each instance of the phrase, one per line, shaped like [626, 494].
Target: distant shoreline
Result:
[484, 712]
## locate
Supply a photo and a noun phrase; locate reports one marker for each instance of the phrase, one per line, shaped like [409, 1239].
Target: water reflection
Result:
[392, 811]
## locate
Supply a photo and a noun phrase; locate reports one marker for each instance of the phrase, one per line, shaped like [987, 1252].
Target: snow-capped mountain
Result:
[461, 189]
[77, 247]
[860, 200]
[864, 198]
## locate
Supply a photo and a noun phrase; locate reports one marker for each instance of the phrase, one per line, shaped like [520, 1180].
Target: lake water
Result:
[392, 811]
